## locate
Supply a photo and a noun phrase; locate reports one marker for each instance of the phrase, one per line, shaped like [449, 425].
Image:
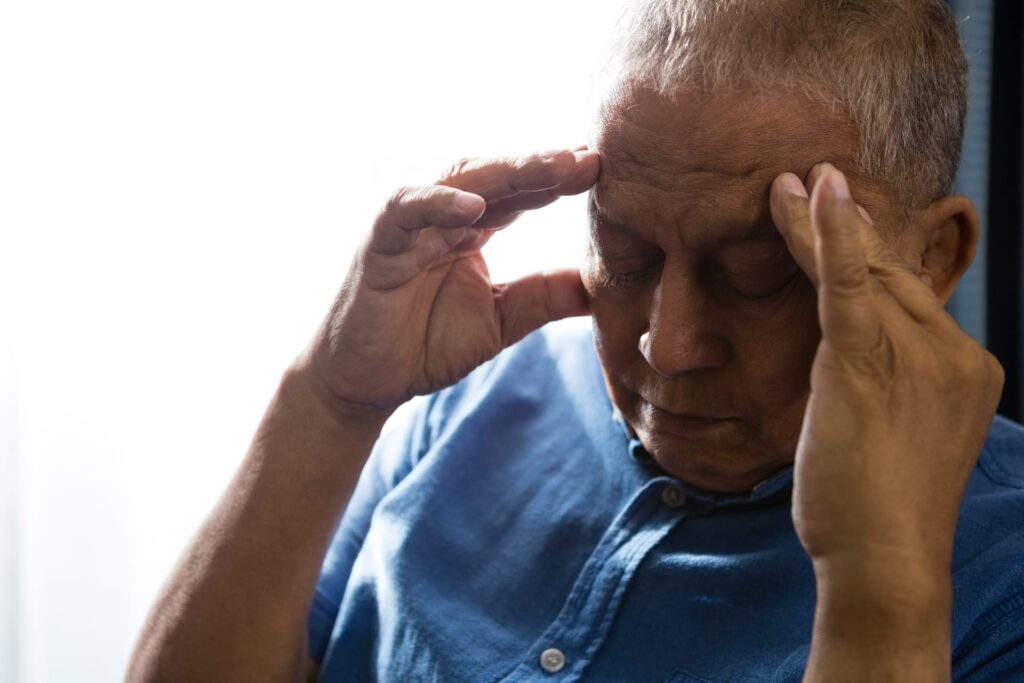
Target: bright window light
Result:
[182, 186]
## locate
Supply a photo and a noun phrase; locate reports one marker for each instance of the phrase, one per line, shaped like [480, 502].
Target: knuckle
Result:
[994, 368]
[966, 362]
[791, 211]
[846, 283]
[397, 199]
[878, 253]
[456, 169]
[973, 366]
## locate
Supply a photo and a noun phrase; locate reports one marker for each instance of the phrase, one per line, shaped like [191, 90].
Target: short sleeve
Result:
[995, 651]
[403, 442]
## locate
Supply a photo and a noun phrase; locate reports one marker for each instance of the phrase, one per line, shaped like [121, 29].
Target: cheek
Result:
[613, 337]
[616, 338]
[618, 324]
[777, 356]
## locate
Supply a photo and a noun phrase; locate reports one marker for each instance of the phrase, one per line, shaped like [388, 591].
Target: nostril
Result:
[684, 349]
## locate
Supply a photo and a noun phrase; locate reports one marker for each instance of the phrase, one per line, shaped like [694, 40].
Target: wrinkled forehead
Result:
[711, 155]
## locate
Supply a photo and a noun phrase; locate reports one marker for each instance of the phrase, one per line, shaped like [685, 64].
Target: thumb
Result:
[525, 304]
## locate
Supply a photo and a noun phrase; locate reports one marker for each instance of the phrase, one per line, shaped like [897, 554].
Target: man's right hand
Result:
[417, 310]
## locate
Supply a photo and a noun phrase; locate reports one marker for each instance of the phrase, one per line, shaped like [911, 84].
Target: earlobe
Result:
[951, 227]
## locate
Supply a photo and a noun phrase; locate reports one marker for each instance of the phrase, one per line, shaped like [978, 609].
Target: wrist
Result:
[871, 624]
[900, 600]
[906, 578]
[301, 385]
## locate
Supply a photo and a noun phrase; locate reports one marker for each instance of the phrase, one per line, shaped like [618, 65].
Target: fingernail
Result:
[792, 185]
[865, 215]
[835, 182]
[465, 201]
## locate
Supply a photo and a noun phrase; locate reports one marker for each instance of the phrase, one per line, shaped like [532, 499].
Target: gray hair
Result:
[895, 68]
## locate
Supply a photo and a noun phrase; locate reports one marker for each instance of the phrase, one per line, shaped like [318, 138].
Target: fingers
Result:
[502, 212]
[846, 307]
[481, 193]
[908, 287]
[506, 176]
[790, 208]
[412, 209]
[812, 179]
[528, 303]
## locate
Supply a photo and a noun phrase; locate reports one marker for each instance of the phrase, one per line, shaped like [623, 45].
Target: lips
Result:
[691, 426]
[664, 413]
[695, 413]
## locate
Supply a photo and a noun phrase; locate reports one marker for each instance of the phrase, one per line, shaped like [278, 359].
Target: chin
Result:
[711, 464]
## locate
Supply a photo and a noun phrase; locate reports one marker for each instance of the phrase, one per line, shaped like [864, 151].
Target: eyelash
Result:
[767, 295]
[624, 280]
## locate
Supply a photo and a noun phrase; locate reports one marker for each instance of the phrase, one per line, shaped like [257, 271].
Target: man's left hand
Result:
[901, 400]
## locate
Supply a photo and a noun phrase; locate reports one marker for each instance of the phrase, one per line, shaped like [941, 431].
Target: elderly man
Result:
[761, 465]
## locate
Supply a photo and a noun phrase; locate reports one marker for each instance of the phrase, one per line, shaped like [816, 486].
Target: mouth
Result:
[688, 423]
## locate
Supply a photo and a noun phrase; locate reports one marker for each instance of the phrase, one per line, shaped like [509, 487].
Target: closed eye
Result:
[623, 274]
[757, 271]
[766, 291]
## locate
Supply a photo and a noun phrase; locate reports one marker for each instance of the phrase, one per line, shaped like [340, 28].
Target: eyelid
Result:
[634, 275]
[613, 240]
[788, 280]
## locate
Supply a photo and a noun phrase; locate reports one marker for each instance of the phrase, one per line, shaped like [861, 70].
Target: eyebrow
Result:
[762, 229]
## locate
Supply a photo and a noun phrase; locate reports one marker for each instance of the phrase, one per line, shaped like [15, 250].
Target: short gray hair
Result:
[895, 68]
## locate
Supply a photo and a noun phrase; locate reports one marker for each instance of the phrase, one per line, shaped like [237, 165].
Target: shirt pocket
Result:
[681, 676]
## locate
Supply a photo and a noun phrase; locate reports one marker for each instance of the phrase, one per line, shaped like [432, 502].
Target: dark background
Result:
[989, 303]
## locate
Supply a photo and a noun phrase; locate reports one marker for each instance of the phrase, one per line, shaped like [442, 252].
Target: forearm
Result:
[873, 629]
[236, 606]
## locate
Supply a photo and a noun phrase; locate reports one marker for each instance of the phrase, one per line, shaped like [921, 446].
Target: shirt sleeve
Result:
[403, 441]
[995, 653]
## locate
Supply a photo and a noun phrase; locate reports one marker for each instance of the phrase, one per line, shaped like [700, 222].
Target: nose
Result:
[681, 333]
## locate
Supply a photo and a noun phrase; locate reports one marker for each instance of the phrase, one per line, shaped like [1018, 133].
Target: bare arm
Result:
[252, 569]
[416, 312]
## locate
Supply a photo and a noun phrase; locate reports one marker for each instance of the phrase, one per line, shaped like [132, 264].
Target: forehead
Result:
[707, 161]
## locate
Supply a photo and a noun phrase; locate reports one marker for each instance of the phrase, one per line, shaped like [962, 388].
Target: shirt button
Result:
[673, 496]
[552, 660]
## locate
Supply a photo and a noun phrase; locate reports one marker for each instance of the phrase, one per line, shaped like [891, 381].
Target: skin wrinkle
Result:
[688, 185]
[704, 195]
[827, 52]
[708, 352]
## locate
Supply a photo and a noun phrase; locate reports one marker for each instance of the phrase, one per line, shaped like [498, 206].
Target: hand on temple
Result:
[417, 310]
[901, 400]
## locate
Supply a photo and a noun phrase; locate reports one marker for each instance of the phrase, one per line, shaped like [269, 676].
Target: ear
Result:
[949, 229]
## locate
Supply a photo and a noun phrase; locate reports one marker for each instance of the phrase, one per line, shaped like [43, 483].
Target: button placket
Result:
[581, 625]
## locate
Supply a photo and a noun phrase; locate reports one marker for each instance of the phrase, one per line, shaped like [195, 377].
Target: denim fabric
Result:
[513, 514]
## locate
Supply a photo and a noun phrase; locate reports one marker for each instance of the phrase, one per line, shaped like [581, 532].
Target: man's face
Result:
[705, 325]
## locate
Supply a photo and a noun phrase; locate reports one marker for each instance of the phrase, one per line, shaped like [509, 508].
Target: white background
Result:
[181, 188]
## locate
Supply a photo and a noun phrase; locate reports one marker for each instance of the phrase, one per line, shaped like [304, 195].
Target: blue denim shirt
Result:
[510, 529]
